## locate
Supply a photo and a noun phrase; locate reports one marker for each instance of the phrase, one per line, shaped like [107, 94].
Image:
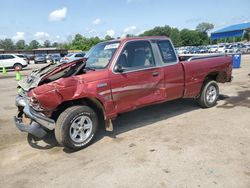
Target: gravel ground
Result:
[175, 144]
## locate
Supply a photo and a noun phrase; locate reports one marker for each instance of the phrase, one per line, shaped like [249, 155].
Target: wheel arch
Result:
[92, 102]
[218, 76]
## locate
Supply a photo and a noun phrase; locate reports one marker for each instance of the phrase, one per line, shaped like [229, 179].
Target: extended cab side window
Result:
[167, 52]
[136, 55]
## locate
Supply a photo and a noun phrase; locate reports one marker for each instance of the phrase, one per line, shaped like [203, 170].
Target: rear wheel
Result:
[209, 94]
[76, 127]
[18, 66]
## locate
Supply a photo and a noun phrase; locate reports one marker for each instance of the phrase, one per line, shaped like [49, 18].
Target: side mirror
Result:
[118, 68]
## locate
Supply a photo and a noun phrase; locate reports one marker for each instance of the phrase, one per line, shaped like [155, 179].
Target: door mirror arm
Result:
[119, 68]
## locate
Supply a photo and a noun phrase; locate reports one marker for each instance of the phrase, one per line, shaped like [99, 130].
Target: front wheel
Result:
[76, 127]
[209, 94]
[18, 66]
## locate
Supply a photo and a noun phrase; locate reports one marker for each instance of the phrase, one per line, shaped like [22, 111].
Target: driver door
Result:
[140, 81]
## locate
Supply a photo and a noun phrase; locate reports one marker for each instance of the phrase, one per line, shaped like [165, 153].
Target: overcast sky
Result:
[57, 20]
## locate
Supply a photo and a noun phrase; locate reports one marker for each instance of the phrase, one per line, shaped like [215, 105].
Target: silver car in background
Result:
[40, 58]
[53, 58]
[72, 57]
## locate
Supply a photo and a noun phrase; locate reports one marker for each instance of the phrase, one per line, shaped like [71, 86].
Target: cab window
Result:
[167, 52]
[136, 55]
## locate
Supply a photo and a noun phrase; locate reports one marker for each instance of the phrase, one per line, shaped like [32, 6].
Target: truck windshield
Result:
[99, 56]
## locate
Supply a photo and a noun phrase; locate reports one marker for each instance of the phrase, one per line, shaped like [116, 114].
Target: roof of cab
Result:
[139, 38]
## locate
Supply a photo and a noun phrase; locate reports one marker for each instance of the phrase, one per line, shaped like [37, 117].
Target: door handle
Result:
[154, 74]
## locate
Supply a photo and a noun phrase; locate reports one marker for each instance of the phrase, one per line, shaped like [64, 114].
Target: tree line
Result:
[183, 37]
[8, 44]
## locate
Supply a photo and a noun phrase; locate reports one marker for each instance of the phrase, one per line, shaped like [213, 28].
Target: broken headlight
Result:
[34, 103]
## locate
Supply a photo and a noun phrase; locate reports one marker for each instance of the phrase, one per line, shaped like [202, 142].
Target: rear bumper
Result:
[39, 124]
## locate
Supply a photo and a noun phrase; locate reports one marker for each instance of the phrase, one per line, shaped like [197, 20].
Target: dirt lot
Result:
[175, 144]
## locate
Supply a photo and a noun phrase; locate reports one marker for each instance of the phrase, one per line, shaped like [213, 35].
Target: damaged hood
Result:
[39, 75]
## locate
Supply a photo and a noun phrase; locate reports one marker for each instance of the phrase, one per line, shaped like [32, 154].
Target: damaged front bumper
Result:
[38, 125]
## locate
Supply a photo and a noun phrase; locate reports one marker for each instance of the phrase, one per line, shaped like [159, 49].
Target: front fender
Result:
[53, 94]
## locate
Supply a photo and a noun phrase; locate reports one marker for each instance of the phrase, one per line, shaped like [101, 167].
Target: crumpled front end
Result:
[33, 80]
[50, 73]
[41, 93]
[29, 120]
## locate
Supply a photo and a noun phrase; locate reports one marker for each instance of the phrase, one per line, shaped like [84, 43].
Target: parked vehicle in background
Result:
[217, 48]
[40, 58]
[31, 57]
[72, 57]
[239, 48]
[116, 76]
[213, 49]
[221, 49]
[56, 57]
[235, 48]
[188, 50]
[242, 49]
[248, 48]
[182, 50]
[48, 58]
[25, 57]
[195, 50]
[203, 50]
[228, 49]
[53, 57]
[12, 61]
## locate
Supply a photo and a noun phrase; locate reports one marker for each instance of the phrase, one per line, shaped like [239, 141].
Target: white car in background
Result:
[213, 49]
[221, 49]
[72, 57]
[25, 57]
[182, 50]
[228, 49]
[12, 61]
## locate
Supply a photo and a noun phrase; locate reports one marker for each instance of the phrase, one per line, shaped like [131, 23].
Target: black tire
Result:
[65, 122]
[18, 66]
[203, 98]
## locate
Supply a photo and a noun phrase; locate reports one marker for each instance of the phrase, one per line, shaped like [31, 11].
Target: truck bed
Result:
[197, 68]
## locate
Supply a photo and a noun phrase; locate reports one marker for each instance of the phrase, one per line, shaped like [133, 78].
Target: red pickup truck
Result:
[116, 76]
